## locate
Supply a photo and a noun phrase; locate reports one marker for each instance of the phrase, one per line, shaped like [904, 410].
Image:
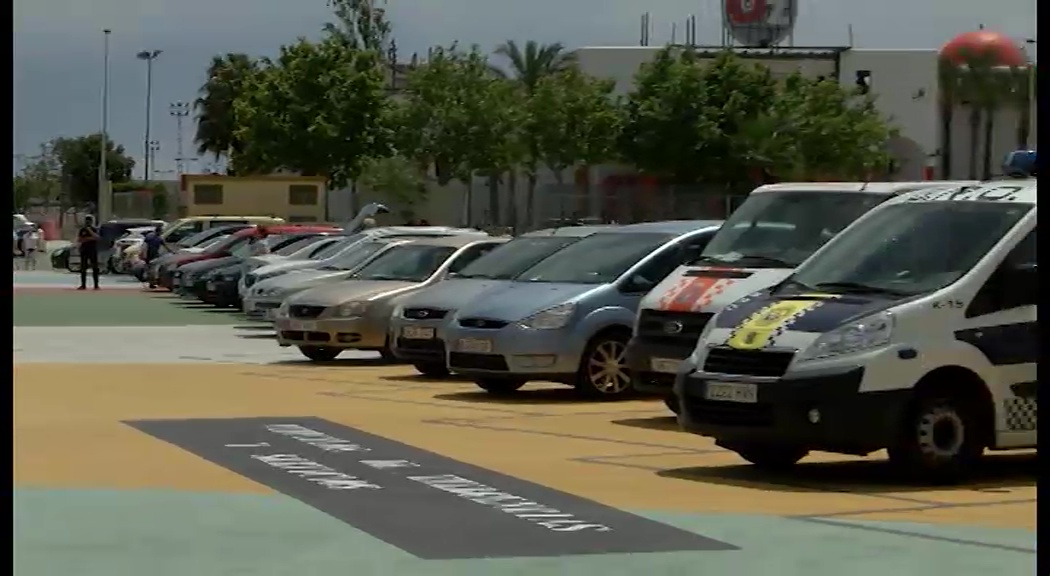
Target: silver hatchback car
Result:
[568, 318]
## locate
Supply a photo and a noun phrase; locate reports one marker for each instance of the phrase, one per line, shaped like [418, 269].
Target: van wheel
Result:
[772, 457]
[432, 369]
[672, 404]
[499, 386]
[941, 440]
[320, 353]
[603, 368]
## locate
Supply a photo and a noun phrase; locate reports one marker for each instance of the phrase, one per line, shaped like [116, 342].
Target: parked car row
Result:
[845, 317]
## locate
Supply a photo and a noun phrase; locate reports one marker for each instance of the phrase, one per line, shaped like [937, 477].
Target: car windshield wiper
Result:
[758, 258]
[859, 288]
[708, 259]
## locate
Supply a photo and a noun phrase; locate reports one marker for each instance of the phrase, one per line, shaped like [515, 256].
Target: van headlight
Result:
[350, 309]
[552, 318]
[864, 334]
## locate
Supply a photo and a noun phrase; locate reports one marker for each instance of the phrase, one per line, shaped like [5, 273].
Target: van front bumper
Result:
[819, 412]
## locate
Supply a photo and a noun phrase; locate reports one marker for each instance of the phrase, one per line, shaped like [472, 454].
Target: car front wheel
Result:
[432, 369]
[603, 369]
[499, 386]
[320, 353]
[772, 457]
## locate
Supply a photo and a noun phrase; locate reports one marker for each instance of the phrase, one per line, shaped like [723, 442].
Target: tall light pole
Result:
[154, 147]
[105, 201]
[179, 110]
[149, 57]
[1031, 90]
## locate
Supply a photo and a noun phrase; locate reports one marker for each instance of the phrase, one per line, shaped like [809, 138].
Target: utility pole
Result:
[179, 110]
[149, 56]
[154, 147]
[1032, 123]
[105, 198]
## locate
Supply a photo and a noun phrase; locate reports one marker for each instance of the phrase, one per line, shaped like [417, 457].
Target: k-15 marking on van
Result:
[913, 330]
[776, 228]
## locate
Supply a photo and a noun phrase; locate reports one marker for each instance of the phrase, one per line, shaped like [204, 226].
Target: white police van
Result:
[914, 330]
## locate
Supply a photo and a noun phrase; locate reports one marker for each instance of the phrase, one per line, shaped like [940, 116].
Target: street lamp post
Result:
[179, 110]
[149, 56]
[105, 200]
[1031, 90]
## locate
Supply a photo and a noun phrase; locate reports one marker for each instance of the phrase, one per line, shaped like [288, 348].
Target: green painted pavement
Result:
[51, 307]
[110, 533]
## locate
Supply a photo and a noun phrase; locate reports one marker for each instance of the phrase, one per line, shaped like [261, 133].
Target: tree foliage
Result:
[535, 62]
[79, 160]
[38, 182]
[216, 121]
[399, 179]
[316, 110]
[360, 25]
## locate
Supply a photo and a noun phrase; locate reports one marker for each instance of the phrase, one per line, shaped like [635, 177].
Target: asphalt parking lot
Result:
[157, 436]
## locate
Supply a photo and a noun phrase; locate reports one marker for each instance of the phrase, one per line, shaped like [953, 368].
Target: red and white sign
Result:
[759, 22]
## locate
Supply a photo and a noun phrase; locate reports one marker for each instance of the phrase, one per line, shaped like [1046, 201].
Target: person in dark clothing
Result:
[87, 242]
[153, 243]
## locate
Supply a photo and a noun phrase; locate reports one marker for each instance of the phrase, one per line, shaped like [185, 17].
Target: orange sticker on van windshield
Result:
[693, 292]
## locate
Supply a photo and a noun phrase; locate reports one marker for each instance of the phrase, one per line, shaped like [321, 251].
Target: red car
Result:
[235, 240]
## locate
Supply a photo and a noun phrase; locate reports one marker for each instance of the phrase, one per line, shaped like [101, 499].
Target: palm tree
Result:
[948, 78]
[528, 67]
[227, 77]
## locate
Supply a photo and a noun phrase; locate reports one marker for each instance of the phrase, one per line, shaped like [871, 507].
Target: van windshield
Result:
[597, 259]
[781, 229]
[514, 257]
[910, 248]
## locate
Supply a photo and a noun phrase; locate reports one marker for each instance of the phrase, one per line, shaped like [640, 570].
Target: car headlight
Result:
[552, 318]
[864, 334]
[350, 309]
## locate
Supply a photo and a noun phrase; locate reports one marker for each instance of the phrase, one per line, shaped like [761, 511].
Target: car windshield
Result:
[407, 262]
[509, 260]
[781, 229]
[597, 259]
[295, 245]
[910, 248]
[336, 248]
[352, 259]
[202, 237]
[228, 244]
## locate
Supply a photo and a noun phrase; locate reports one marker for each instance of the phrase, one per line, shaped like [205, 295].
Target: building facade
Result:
[294, 198]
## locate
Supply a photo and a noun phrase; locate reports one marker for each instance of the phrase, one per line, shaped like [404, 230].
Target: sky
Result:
[58, 45]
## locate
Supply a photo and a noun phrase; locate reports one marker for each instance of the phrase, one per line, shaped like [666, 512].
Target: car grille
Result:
[483, 323]
[467, 360]
[250, 279]
[672, 328]
[724, 360]
[431, 345]
[424, 313]
[300, 311]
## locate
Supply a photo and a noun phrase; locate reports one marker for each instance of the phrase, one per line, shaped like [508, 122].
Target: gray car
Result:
[418, 324]
[568, 318]
[355, 314]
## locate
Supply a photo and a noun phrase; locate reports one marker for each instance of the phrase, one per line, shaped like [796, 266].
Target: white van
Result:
[913, 330]
[774, 230]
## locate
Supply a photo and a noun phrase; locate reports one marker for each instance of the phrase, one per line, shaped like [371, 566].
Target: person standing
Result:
[153, 242]
[30, 244]
[87, 242]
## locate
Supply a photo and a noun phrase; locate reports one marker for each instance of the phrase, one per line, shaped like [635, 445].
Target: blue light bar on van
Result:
[1020, 164]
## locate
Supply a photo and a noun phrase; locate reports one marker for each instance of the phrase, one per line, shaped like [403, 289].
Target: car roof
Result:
[677, 227]
[888, 188]
[459, 240]
[297, 228]
[422, 231]
[572, 231]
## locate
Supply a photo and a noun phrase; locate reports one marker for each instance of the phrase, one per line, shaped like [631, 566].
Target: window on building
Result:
[302, 219]
[302, 195]
[207, 194]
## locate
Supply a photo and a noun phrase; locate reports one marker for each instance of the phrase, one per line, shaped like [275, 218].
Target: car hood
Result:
[709, 288]
[452, 294]
[206, 265]
[518, 300]
[298, 279]
[265, 259]
[350, 290]
[286, 266]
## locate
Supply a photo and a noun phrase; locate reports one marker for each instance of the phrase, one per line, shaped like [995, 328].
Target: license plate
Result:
[304, 326]
[210, 286]
[475, 345]
[417, 333]
[665, 365]
[731, 392]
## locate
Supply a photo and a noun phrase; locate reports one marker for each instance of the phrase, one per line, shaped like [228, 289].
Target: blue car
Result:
[568, 318]
[417, 326]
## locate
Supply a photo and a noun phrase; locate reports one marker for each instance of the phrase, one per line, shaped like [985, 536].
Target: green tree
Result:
[39, 181]
[216, 123]
[360, 25]
[79, 159]
[460, 118]
[317, 110]
[573, 119]
[817, 129]
[686, 111]
[398, 179]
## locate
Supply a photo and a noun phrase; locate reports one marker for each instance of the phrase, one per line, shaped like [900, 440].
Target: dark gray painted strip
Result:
[423, 503]
[1005, 344]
